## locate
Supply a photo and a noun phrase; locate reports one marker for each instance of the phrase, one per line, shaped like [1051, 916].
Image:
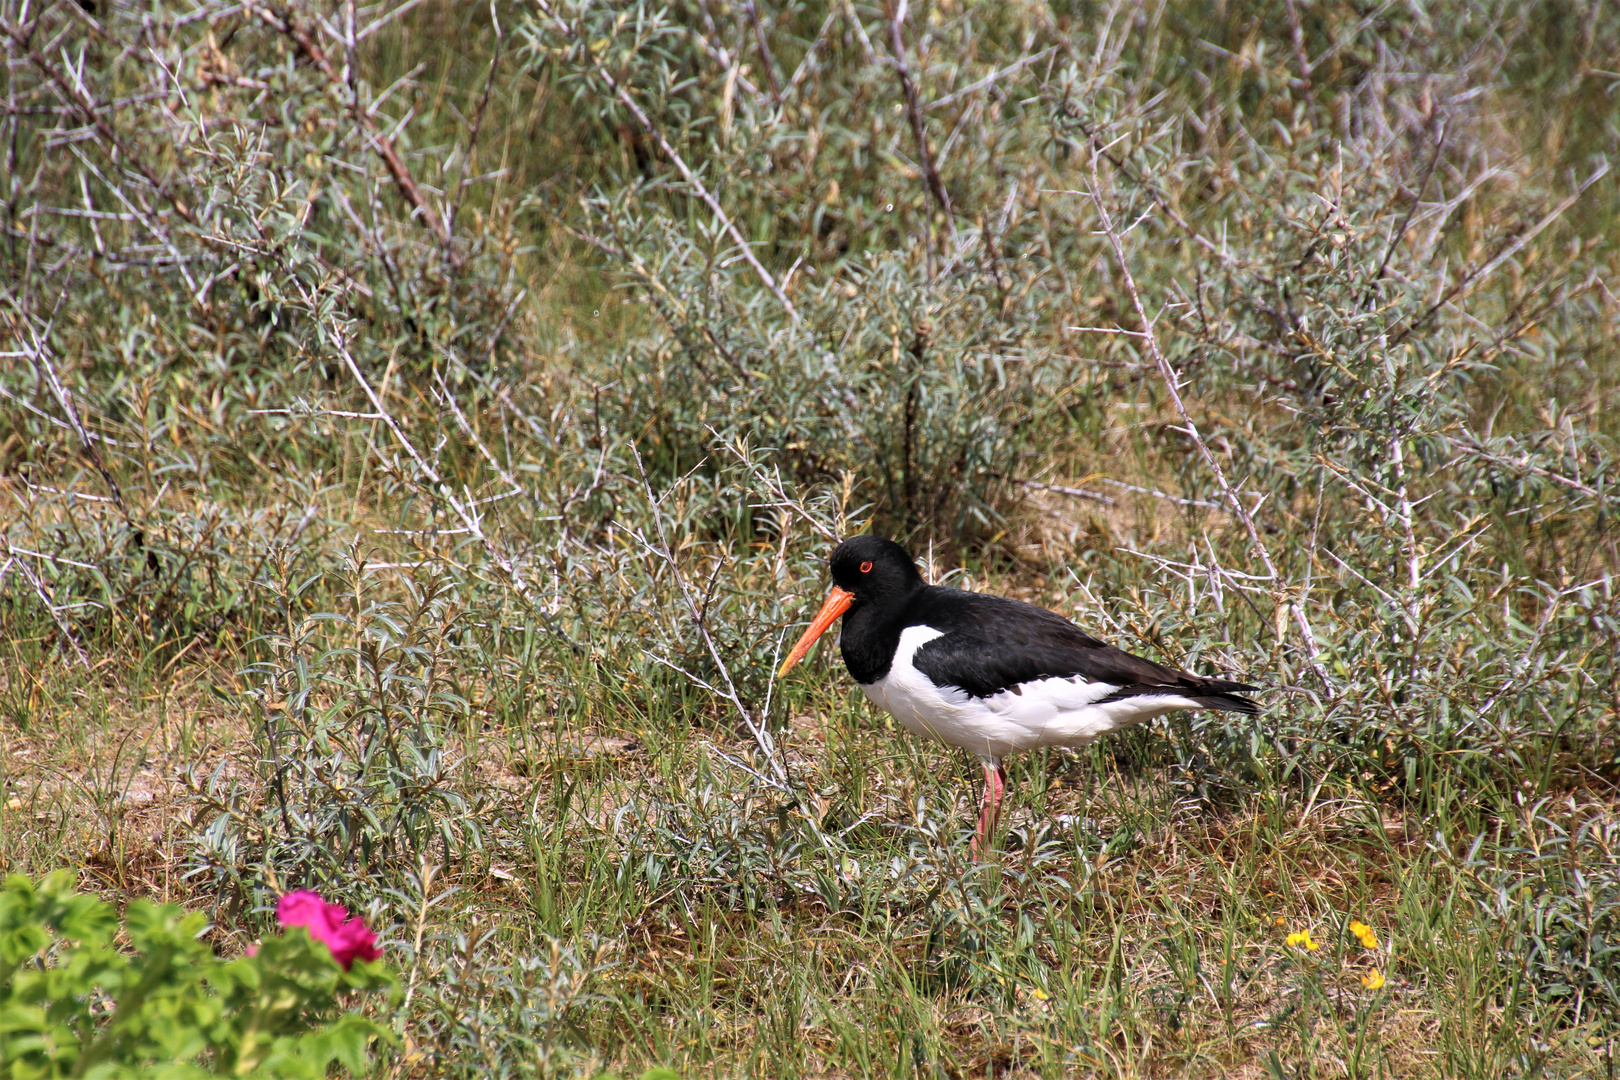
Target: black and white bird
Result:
[989, 674]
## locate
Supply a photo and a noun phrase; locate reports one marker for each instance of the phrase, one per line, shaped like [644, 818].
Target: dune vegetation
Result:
[423, 427]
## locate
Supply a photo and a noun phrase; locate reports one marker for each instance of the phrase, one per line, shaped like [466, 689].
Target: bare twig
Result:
[1172, 386]
[629, 102]
[662, 551]
[463, 506]
[925, 155]
[1403, 513]
[1106, 330]
[1394, 604]
[868, 53]
[47, 557]
[1077, 493]
[1479, 274]
[995, 76]
[1160, 200]
[1179, 499]
[31, 486]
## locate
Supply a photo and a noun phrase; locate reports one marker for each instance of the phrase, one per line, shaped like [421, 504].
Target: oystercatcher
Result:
[986, 673]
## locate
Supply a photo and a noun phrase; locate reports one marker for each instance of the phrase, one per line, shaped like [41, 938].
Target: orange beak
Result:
[836, 604]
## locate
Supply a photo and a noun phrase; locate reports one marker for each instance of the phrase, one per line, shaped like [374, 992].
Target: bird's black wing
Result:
[995, 644]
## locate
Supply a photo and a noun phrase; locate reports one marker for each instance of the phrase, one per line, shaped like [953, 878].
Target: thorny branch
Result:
[662, 551]
[45, 597]
[925, 154]
[380, 143]
[629, 102]
[1172, 386]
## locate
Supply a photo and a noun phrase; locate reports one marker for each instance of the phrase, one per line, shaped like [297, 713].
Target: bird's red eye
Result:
[866, 567]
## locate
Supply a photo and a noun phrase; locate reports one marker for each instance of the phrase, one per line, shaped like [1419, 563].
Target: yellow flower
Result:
[1369, 940]
[1302, 939]
[1038, 994]
[1278, 921]
[1373, 979]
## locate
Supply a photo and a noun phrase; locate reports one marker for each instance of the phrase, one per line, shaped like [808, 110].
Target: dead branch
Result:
[463, 507]
[1074, 493]
[1179, 499]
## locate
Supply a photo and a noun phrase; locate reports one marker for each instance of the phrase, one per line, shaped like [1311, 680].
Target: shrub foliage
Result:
[465, 388]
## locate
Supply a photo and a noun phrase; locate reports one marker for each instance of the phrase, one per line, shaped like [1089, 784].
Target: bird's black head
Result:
[872, 577]
[874, 569]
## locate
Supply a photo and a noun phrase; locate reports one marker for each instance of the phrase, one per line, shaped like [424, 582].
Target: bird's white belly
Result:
[1045, 712]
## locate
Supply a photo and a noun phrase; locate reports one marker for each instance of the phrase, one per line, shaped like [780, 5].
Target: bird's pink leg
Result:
[995, 784]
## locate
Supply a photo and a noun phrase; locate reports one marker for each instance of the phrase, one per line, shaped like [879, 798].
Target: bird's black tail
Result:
[1228, 702]
[1209, 693]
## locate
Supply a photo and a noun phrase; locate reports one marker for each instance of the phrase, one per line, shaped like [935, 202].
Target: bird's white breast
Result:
[1042, 712]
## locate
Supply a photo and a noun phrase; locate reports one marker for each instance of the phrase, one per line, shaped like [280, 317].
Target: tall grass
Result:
[423, 426]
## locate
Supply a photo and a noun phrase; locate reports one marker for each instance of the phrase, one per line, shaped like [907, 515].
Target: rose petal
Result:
[347, 938]
[300, 908]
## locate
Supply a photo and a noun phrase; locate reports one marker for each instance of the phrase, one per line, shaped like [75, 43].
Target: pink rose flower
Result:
[349, 939]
